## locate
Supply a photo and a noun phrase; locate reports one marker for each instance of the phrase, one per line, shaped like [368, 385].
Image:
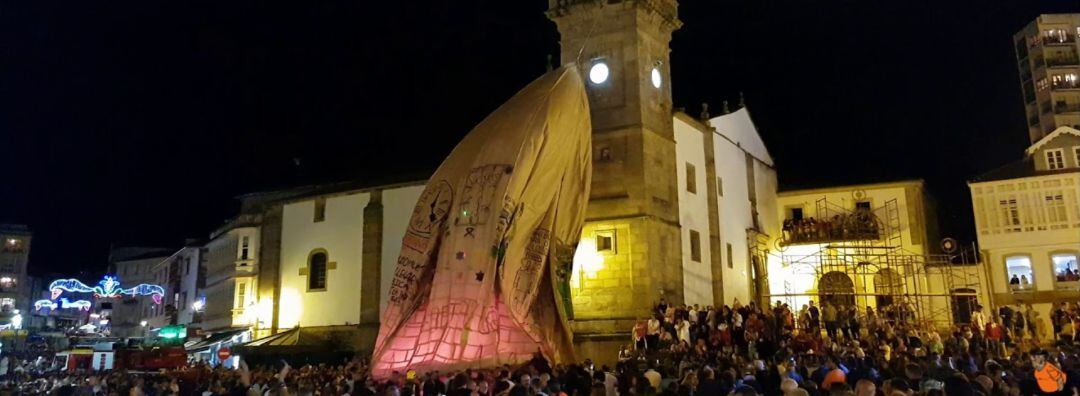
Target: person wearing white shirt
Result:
[683, 329]
[611, 383]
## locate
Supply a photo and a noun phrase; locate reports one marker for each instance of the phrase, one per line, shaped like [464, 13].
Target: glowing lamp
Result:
[587, 259]
[599, 72]
[657, 79]
[143, 323]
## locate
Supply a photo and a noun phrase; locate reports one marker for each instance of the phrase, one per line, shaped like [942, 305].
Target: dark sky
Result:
[139, 121]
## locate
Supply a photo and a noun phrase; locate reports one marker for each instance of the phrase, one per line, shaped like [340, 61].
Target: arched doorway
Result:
[964, 302]
[888, 284]
[836, 288]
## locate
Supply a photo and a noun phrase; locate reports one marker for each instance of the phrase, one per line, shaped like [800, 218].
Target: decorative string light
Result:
[108, 287]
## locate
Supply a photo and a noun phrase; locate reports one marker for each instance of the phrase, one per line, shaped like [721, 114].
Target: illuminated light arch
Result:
[108, 287]
[64, 304]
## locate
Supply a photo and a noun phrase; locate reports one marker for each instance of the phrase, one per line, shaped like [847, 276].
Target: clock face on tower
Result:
[431, 208]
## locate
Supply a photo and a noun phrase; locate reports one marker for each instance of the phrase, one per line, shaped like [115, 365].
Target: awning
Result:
[289, 337]
[299, 346]
[214, 338]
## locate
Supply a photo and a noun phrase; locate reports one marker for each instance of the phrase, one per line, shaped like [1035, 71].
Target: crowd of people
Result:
[831, 349]
[860, 224]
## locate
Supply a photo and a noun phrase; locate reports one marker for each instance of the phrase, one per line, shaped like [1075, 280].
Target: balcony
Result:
[855, 226]
[1062, 108]
[1057, 37]
[247, 265]
[1058, 61]
[1066, 83]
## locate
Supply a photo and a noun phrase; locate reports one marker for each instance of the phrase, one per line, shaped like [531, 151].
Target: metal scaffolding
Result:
[858, 257]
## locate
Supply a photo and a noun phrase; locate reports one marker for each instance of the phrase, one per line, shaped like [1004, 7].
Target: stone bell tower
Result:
[632, 221]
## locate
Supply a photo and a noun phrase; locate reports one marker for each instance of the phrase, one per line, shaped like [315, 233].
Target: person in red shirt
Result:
[993, 335]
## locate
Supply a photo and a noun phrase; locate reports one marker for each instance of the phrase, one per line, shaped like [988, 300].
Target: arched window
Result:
[317, 271]
[888, 284]
[1019, 272]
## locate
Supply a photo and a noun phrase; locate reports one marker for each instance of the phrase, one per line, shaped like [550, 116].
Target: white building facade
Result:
[1027, 216]
[232, 267]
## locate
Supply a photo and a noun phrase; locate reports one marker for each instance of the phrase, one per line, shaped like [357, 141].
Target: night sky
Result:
[138, 122]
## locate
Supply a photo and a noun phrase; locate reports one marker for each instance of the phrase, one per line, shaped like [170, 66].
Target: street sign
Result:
[224, 353]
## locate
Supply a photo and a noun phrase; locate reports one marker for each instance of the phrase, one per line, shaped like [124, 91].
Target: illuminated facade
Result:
[1027, 216]
[338, 255]
[231, 259]
[681, 207]
[1048, 58]
[871, 245]
[15, 295]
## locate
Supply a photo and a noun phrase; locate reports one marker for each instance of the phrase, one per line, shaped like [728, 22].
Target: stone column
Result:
[371, 261]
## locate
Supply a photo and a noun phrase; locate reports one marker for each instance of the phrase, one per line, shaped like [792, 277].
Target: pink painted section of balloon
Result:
[474, 283]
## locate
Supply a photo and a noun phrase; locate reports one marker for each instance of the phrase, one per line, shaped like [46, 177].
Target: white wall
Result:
[189, 261]
[693, 214]
[735, 218]
[398, 206]
[341, 235]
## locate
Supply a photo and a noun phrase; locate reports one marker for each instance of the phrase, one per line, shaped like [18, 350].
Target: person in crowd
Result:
[771, 356]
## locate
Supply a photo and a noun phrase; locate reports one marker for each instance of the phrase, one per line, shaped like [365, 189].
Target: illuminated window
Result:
[695, 246]
[691, 178]
[1055, 159]
[241, 293]
[7, 282]
[317, 272]
[1065, 269]
[1051, 36]
[1019, 272]
[320, 210]
[730, 259]
[13, 245]
[1065, 81]
[605, 241]
[7, 304]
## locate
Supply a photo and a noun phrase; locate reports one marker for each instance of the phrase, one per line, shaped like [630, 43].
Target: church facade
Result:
[680, 206]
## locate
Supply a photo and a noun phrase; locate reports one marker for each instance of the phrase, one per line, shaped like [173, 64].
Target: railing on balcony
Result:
[1066, 83]
[858, 225]
[1062, 61]
[1067, 108]
[1057, 36]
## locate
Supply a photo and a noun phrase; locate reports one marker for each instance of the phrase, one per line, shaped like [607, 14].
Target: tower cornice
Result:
[665, 10]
